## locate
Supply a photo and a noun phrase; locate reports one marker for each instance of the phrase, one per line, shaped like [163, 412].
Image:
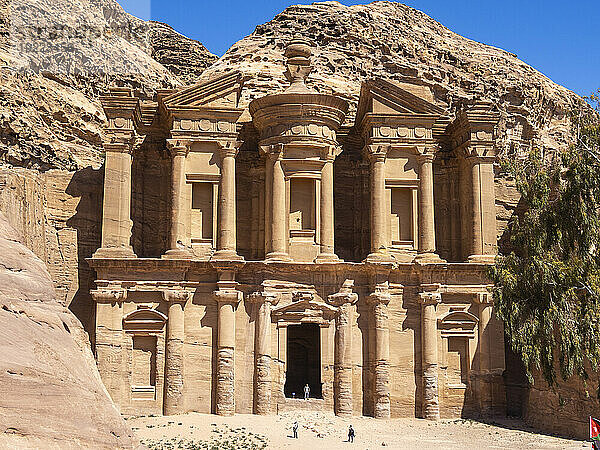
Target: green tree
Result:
[548, 283]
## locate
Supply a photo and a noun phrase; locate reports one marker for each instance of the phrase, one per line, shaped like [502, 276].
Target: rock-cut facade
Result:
[250, 252]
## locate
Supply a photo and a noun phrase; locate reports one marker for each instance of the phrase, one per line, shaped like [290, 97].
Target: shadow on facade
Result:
[87, 185]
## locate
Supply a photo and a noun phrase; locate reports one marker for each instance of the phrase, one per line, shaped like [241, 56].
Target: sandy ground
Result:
[325, 431]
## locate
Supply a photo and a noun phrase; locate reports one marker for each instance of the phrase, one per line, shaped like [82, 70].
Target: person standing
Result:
[350, 434]
[306, 392]
[295, 430]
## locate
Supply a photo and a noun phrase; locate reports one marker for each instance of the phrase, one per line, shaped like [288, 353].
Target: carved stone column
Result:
[431, 406]
[484, 374]
[327, 251]
[174, 373]
[342, 368]
[116, 210]
[483, 207]
[379, 214]
[109, 340]
[262, 351]
[279, 238]
[379, 301]
[226, 243]
[426, 208]
[179, 150]
[227, 298]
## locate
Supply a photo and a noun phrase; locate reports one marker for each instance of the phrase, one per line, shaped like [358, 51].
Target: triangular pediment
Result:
[304, 307]
[219, 92]
[383, 97]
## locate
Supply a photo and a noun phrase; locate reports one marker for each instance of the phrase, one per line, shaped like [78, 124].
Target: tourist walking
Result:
[306, 392]
[295, 430]
[350, 434]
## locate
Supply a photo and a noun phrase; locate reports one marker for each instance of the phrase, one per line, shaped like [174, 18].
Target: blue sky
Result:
[560, 39]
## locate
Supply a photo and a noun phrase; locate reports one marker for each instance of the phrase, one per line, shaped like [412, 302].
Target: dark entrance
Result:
[303, 361]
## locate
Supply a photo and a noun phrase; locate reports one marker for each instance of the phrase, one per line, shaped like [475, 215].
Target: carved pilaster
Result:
[379, 214]
[484, 373]
[427, 250]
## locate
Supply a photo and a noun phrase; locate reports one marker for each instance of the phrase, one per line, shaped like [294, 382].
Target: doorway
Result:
[303, 361]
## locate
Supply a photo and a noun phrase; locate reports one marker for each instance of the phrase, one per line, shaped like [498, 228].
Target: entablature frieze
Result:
[294, 153]
[122, 109]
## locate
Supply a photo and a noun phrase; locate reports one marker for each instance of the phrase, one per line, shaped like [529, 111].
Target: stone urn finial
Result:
[298, 64]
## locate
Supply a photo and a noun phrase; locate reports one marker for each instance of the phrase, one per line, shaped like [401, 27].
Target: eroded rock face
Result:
[51, 395]
[184, 57]
[57, 57]
[396, 42]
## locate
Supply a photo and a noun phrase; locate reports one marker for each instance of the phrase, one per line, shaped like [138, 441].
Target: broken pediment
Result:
[382, 97]
[306, 308]
[220, 92]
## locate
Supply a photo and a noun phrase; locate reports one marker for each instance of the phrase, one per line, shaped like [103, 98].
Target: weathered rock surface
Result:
[57, 57]
[51, 395]
[396, 42]
[184, 57]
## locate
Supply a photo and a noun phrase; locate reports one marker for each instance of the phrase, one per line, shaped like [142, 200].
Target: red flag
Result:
[594, 429]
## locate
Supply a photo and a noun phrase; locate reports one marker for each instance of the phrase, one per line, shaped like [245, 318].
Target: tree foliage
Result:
[548, 285]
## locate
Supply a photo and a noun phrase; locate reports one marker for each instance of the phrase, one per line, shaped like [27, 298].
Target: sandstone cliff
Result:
[51, 395]
[51, 124]
[396, 42]
[57, 56]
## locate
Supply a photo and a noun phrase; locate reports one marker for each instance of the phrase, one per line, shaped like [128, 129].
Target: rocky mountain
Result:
[51, 395]
[57, 57]
[396, 42]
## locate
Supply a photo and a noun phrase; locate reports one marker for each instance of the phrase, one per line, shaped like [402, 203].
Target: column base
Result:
[277, 257]
[327, 258]
[482, 259]
[114, 252]
[379, 257]
[429, 258]
[226, 255]
[177, 253]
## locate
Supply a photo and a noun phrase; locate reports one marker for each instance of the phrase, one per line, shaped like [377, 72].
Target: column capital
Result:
[381, 295]
[345, 295]
[272, 151]
[376, 152]
[109, 295]
[478, 154]
[264, 297]
[228, 147]
[430, 298]
[229, 296]
[176, 295]
[330, 152]
[483, 298]
[425, 156]
[119, 142]
[178, 147]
